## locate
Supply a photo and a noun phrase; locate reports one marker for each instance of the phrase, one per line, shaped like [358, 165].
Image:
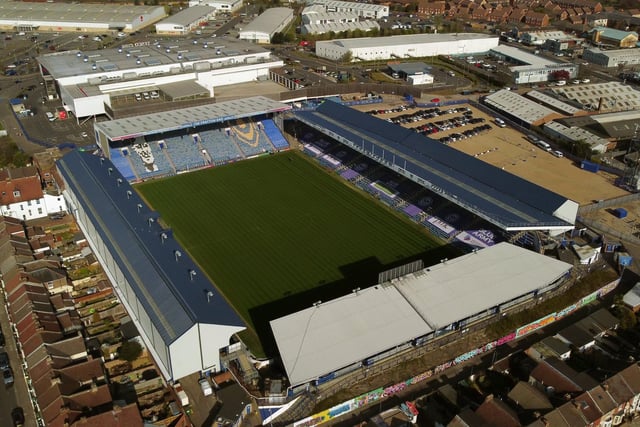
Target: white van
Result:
[500, 122]
[50, 116]
[544, 146]
[561, 82]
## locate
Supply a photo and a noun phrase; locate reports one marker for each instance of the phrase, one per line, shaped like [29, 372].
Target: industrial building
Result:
[271, 21]
[612, 58]
[406, 46]
[224, 6]
[415, 73]
[93, 82]
[531, 68]
[613, 37]
[602, 97]
[381, 321]
[616, 126]
[183, 320]
[522, 110]
[576, 135]
[554, 41]
[185, 21]
[316, 20]
[77, 17]
[362, 10]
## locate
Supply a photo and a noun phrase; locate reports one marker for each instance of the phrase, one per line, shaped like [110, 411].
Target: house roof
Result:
[564, 379]
[576, 335]
[529, 398]
[632, 298]
[72, 377]
[127, 416]
[497, 413]
[19, 185]
[166, 281]
[497, 196]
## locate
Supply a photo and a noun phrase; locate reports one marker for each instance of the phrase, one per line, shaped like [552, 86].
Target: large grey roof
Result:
[132, 234]
[522, 56]
[322, 339]
[269, 20]
[502, 198]
[114, 14]
[189, 15]
[72, 63]
[165, 121]
[518, 106]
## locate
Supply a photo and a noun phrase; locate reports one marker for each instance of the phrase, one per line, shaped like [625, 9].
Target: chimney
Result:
[600, 102]
[605, 386]
[94, 387]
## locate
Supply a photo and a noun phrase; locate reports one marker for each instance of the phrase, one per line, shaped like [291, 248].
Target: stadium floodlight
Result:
[178, 254]
[119, 181]
[163, 237]
[151, 221]
[129, 194]
[101, 160]
[110, 170]
[139, 207]
[317, 303]
[192, 274]
[209, 296]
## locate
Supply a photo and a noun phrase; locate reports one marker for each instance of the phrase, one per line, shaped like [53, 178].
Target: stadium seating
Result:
[251, 140]
[221, 148]
[274, 135]
[161, 159]
[122, 164]
[183, 153]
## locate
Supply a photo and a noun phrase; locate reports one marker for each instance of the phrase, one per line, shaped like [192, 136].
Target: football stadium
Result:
[210, 225]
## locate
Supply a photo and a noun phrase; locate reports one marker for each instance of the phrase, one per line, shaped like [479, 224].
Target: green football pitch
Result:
[268, 229]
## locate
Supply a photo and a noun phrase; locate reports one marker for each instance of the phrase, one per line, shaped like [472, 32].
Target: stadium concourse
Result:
[510, 203]
[171, 142]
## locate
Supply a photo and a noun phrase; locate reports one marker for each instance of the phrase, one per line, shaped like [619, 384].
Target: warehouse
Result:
[406, 46]
[316, 20]
[90, 82]
[22, 16]
[522, 110]
[224, 6]
[262, 29]
[415, 73]
[185, 21]
[363, 10]
[612, 58]
[531, 68]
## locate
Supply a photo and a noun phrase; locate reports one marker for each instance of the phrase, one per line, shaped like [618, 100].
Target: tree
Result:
[346, 58]
[129, 351]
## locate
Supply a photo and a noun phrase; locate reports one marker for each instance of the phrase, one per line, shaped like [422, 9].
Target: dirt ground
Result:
[508, 149]
[630, 225]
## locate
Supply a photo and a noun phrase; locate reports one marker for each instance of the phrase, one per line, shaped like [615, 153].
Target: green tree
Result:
[129, 351]
[346, 58]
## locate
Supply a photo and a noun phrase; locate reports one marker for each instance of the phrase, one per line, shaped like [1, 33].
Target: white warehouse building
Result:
[406, 46]
[219, 5]
[185, 21]
[612, 58]
[89, 83]
[183, 320]
[363, 10]
[271, 21]
[23, 16]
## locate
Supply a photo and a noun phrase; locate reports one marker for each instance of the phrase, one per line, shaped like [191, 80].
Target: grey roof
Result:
[347, 330]
[165, 121]
[632, 298]
[269, 20]
[367, 25]
[189, 15]
[71, 63]
[522, 56]
[114, 15]
[411, 68]
[173, 299]
[555, 103]
[341, 5]
[615, 96]
[498, 196]
[473, 283]
[518, 106]
[322, 339]
[405, 39]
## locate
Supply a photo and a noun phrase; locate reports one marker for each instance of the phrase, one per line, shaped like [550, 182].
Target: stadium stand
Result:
[122, 163]
[501, 198]
[251, 140]
[183, 153]
[222, 148]
[161, 160]
[274, 135]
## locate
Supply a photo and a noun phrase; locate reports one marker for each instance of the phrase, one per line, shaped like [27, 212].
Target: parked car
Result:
[17, 415]
[7, 375]
[4, 360]
[205, 386]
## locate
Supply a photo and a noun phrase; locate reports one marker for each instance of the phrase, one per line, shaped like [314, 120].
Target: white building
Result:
[406, 46]
[22, 197]
[185, 21]
[227, 6]
[612, 58]
[532, 68]
[575, 134]
[89, 82]
[22, 16]
[179, 314]
[364, 10]
[271, 21]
